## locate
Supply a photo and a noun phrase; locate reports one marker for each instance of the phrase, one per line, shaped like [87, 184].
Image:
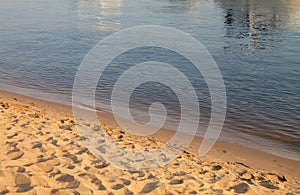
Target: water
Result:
[255, 44]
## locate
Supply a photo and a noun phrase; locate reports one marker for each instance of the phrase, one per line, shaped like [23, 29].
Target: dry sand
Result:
[42, 153]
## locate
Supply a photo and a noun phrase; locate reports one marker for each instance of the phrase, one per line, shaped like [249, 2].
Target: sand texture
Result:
[42, 153]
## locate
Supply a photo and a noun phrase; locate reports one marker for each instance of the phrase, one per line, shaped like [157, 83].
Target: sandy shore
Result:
[42, 153]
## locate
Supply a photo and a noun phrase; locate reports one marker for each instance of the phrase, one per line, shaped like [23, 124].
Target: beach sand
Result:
[42, 153]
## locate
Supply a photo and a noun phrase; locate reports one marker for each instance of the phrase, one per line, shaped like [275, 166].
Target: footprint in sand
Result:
[23, 189]
[12, 144]
[73, 157]
[44, 166]
[268, 184]
[126, 182]
[149, 187]
[22, 179]
[98, 183]
[117, 186]
[240, 188]
[70, 167]
[68, 180]
[176, 181]
[14, 154]
[37, 145]
[216, 168]
[23, 183]
[12, 136]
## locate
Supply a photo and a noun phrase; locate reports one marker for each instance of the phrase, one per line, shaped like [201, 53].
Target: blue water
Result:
[255, 44]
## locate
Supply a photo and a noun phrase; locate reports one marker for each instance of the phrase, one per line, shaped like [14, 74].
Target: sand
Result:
[42, 153]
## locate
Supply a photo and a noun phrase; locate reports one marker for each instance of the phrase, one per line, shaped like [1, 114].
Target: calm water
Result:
[255, 44]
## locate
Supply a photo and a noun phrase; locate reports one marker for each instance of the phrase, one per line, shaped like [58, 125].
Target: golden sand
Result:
[42, 153]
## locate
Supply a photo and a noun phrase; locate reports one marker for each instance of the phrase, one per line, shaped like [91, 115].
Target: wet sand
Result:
[42, 153]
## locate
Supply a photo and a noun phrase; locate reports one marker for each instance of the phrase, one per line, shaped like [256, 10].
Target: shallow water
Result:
[255, 44]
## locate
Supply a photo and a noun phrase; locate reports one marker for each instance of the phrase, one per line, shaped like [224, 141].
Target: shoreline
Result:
[224, 151]
[241, 140]
[221, 149]
[233, 158]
